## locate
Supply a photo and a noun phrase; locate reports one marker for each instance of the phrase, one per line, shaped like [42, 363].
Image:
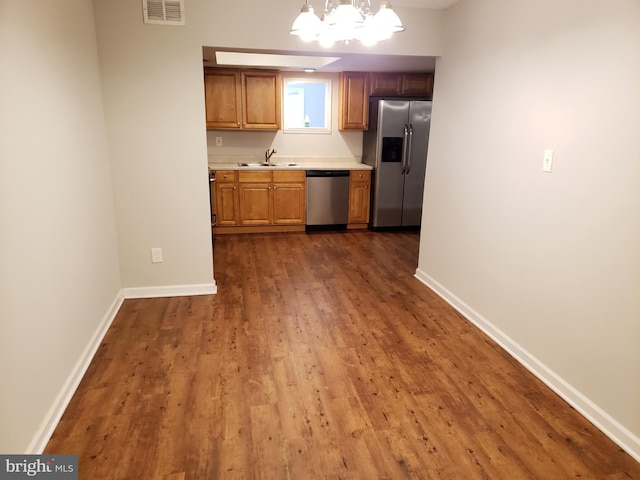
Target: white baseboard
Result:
[171, 291]
[42, 436]
[592, 412]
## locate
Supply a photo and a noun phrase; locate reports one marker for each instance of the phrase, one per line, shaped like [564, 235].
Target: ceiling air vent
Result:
[163, 12]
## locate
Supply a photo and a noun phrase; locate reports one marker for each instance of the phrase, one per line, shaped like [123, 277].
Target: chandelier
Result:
[346, 20]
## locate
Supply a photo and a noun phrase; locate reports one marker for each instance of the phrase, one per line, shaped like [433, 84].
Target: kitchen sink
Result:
[267, 164]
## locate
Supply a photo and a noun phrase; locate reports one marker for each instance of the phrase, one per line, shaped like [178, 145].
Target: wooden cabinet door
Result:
[222, 98]
[255, 203]
[289, 203]
[386, 83]
[359, 197]
[354, 101]
[261, 100]
[226, 200]
[289, 197]
[418, 84]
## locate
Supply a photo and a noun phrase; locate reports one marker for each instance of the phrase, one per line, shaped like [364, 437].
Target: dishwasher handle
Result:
[327, 173]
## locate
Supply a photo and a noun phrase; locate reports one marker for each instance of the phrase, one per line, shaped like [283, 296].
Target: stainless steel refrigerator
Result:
[396, 147]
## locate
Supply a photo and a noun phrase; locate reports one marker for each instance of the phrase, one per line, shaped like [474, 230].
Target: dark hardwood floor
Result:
[321, 357]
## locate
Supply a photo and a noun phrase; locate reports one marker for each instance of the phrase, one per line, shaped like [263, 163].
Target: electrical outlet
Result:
[218, 141]
[547, 163]
[156, 255]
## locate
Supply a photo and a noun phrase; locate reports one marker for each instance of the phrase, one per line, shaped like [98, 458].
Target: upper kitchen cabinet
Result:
[356, 87]
[354, 101]
[223, 98]
[402, 84]
[242, 99]
[261, 100]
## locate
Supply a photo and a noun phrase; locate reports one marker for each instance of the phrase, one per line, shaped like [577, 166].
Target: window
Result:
[307, 105]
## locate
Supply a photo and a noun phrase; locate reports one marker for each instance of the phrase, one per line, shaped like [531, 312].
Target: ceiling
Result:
[331, 61]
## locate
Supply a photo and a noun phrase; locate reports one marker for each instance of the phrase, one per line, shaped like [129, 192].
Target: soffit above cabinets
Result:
[321, 62]
[271, 60]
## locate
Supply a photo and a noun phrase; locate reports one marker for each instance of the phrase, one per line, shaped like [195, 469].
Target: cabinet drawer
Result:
[360, 175]
[255, 176]
[225, 176]
[289, 176]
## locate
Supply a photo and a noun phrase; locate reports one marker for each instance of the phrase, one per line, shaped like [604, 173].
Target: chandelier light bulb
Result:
[307, 24]
[346, 16]
[367, 34]
[387, 21]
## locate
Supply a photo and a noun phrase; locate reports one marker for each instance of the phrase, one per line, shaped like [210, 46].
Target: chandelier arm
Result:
[327, 3]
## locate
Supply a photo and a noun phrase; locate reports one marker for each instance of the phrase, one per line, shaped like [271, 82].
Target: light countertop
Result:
[283, 163]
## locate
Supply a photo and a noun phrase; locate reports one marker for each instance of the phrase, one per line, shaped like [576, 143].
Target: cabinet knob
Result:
[234, 187]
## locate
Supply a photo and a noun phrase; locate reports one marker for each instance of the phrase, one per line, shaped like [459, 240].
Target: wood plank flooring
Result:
[321, 357]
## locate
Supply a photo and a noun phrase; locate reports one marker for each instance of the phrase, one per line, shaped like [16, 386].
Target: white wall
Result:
[548, 263]
[59, 276]
[266, 25]
[154, 103]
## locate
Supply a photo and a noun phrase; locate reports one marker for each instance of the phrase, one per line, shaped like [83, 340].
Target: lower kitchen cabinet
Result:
[255, 203]
[289, 202]
[359, 198]
[225, 199]
[260, 201]
[265, 201]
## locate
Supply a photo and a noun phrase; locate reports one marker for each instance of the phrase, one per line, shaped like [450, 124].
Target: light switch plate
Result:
[547, 163]
[156, 255]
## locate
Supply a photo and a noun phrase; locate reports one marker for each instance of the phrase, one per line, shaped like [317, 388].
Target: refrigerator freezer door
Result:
[388, 178]
[420, 121]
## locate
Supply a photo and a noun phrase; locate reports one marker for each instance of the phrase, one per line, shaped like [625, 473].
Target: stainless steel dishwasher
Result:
[327, 199]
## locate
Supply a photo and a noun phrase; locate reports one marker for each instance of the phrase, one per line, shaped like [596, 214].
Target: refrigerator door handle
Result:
[408, 164]
[405, 148]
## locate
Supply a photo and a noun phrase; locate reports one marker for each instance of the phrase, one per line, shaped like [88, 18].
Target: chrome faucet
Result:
[268, 154]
